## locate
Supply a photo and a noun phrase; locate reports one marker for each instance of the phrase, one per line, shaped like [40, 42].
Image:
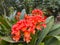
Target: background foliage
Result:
[48, 36]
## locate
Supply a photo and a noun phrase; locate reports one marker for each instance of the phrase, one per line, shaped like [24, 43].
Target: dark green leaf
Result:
[52, 41]
[46, 30]
[54, 32]
[58, 37]
[2, 20]
[55, 27]
[2, 42]
[7, 21]
[9, 39]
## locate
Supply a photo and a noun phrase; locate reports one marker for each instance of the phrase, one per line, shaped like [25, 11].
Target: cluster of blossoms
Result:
[29, 25]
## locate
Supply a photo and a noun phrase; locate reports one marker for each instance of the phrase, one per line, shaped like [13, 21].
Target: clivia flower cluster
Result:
[29, 25]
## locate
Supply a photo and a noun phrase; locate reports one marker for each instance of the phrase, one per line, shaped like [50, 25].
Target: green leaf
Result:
[3, 27]
[4, 30]
[42, 43]
[22, 14]
[48, 19]
[34, 38]
[9, 39]
[12, 16]
[52, 41]
[55, 27]
[2, 42]
[20, 44]
[54, 32]
[46, 30]
[7, 21]
[2, 20]
[58, 37]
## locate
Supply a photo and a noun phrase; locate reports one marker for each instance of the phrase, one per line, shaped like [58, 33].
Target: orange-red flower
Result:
[44, 25]
[18, 13]
[27, 26]
[37, 12]
[27, 37]
[16, 35]
[18, 16]
[38, 27]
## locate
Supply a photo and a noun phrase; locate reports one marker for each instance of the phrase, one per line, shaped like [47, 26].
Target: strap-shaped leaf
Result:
[2, 42]
[2, 20]
[58, 37]
[7, 21]
[3, 27]
[12, 16]
[52, 41]
[9, 39]
[46, 30]
[55, 32]
[34, 38]
[22, 14]
[20, 44]
[2, 33]
[48, 19]
[4, 30]
[55, 27]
